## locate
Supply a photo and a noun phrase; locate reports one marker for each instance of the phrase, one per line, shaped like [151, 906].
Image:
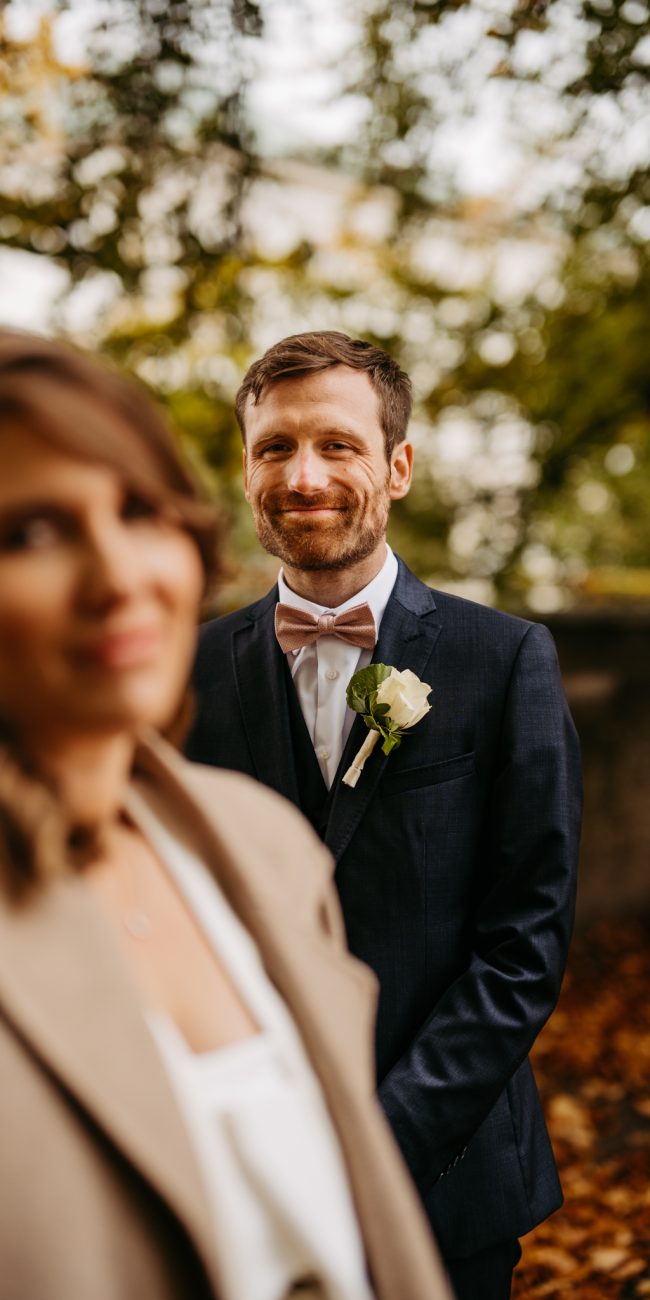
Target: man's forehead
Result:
[339, 388]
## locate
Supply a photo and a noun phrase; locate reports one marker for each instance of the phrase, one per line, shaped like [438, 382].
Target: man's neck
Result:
[332, 587]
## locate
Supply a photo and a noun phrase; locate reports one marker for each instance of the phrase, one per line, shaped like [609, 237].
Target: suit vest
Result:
[314, 795]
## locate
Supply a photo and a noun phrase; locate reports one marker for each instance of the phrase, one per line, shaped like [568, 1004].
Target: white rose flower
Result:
[406, 697]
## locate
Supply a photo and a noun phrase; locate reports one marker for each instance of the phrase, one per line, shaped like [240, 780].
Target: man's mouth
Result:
[311, 510]
[303, 509]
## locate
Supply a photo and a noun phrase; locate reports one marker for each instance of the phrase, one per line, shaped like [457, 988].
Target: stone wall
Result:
[605, 660]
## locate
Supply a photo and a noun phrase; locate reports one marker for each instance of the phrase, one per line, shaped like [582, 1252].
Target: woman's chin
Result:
[134, 707]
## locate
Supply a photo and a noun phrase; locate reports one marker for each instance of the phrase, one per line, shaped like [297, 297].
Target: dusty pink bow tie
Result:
[296, 628]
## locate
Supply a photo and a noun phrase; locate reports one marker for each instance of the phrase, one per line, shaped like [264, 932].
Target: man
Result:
[456, 854]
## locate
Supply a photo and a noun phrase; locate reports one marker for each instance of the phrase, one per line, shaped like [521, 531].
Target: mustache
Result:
[280, 501]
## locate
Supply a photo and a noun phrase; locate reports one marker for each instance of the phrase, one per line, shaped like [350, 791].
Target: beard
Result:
[345, 539]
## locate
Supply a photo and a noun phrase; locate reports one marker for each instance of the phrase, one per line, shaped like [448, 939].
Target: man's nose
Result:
[307, 472]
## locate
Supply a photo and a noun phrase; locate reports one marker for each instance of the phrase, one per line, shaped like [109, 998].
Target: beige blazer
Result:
[100, 1196]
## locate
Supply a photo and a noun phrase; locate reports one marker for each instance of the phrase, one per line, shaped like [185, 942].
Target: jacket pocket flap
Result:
[412, 778]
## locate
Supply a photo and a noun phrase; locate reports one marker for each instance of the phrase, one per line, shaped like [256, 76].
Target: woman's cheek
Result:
[178, 568]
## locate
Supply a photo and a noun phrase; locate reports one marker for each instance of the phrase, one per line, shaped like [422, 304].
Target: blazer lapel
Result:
[259, 669]
[65, 986]
[328, 994]
[409, 631]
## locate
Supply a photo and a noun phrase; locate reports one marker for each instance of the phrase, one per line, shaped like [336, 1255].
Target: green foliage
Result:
[134, 170]
[133, 167]
[564, 370]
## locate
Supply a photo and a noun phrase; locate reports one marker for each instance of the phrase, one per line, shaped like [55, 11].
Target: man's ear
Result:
[245, 465]
[401, 470]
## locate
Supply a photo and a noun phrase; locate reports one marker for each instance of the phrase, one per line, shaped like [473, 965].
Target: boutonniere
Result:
[391, 702]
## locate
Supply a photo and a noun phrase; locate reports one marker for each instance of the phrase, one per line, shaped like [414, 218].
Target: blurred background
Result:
[465, 183]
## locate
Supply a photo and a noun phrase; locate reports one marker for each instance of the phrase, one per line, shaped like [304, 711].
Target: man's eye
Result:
[274, 448]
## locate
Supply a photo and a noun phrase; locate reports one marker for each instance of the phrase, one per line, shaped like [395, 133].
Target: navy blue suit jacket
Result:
[456, 861]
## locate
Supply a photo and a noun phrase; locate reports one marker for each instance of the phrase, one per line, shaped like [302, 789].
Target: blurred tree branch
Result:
[138, 173]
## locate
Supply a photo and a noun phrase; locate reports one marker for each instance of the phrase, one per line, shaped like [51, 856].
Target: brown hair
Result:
[91, 410]
[306, 354]
[88, 408]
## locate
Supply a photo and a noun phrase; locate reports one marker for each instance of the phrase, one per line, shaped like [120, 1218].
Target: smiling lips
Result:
[295, 506]
[311, 510]
[120, 650]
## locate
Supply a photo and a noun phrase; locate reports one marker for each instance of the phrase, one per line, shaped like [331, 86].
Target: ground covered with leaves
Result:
[593, 1067]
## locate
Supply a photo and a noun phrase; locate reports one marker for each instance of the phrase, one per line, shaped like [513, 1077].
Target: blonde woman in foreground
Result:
[185, 1047]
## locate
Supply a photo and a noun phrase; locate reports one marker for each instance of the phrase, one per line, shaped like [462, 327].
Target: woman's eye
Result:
[31, 534]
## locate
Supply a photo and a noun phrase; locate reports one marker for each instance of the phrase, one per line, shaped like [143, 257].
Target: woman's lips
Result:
[123, 649]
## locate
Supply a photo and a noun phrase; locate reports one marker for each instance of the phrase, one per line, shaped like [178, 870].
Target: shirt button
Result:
[331, 674]
[323, 753]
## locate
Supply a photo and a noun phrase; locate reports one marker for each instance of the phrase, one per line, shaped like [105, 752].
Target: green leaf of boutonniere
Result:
[363, 685]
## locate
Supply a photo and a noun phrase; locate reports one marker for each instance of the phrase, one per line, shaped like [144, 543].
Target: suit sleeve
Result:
[483, 1026]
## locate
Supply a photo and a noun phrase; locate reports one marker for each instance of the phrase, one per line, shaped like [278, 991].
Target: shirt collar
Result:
[376, 594]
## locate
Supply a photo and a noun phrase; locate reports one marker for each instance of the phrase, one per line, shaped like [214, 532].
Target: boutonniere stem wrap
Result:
[390, 702]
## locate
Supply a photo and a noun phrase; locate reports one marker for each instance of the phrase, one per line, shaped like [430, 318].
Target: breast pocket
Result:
[414, 778]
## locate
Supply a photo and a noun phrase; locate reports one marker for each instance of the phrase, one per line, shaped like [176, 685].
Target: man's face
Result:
[315, 470]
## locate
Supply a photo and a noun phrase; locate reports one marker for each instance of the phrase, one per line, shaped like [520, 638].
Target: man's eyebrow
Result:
[328, 431]
[267, 435]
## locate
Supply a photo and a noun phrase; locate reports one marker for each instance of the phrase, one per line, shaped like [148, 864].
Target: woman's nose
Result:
[307, 472]
[110, 569]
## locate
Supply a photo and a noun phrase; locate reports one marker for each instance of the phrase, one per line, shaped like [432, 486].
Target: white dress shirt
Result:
[321, 671]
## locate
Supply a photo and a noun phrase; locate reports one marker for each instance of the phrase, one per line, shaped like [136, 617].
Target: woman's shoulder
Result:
[259, 828]
[239, 795]
[275, 847]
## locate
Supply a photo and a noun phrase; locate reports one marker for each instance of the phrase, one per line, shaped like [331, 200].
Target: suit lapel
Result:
[409, 631]
[65, 987]
[259, 669]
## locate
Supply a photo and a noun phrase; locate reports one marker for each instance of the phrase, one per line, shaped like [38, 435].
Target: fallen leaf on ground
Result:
[593, 1066]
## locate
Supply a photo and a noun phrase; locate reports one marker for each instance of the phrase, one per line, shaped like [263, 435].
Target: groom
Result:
[456, 854]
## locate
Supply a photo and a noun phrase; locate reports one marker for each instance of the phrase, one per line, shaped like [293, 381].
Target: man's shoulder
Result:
[223, 624]
[471, 617]
[472, 614]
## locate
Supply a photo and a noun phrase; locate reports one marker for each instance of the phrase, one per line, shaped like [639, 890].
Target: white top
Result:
[321, 671]
[270, 1157]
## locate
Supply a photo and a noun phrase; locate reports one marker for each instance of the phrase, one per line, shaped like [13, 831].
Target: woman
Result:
[185, 1050]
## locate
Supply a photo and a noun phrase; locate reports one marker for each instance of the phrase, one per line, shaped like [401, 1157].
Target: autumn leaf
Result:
[593, 1066]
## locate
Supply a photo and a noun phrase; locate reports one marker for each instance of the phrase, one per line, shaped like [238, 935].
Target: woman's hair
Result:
[88, 409]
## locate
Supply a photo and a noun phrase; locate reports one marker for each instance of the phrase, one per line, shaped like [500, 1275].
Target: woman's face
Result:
[99, 595]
